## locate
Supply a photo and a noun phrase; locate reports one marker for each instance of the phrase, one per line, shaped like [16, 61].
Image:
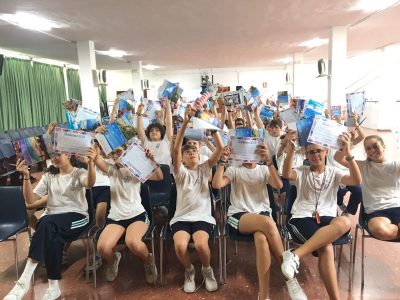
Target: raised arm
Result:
[248, 118]
[257, 118]
[361, 134]
[287, 171]
[139, 125]
[230, 120]
[219, 180]
[27, 190]
[177, 153]
[114, 110]
[223, 116]
[91, 154]
[158, 174]
[274, 179]
[168, 120]
[219, 145]
[354, 178]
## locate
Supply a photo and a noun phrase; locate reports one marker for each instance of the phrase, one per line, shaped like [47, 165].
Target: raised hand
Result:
[226, 152]
[345, 138]
[22, 167]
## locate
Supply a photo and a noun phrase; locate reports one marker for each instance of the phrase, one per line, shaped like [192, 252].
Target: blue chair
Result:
[160, 191]
[14, 134]
[13, 217]
[363, 227]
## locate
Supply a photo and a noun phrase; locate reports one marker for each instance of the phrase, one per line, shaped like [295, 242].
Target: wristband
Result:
[349, 158]
[27, 178]
[269, 163]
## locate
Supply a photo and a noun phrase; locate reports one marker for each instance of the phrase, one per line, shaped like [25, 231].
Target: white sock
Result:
[53, 284]
[28, 271]
[206, 268]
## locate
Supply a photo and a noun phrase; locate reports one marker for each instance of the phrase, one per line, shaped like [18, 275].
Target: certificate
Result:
[289, 115]
[325, 132]
[72, 141]
[244, 149]
[195, 134]
[83, 113]
[138, 164]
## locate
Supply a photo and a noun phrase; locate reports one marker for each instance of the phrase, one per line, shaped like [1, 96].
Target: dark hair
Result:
[188, 147]
[54, 171]
[275, 123]
[374, 136]
[241, 120]
[155, 125]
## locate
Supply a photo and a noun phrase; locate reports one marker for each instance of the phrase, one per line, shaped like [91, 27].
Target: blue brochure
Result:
[313, 108]
[114, 136]
[303, 130]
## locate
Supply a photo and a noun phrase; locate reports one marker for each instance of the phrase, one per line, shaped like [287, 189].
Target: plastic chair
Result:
[363, 227]
[14, 134]
[166, 233]
[13, 217]
[347, 239]
[160, 191]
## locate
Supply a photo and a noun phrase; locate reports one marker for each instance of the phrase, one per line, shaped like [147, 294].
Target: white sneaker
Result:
[112, 270]
[290, 264]
[189, 286]
[18, 292]
[209, 279]
[295, 290]
[151, 271]
[51, 294]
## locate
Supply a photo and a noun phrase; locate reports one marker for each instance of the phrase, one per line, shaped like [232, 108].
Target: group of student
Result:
[314, 219]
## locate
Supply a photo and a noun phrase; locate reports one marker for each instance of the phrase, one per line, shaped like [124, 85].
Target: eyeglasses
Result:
[313, 152]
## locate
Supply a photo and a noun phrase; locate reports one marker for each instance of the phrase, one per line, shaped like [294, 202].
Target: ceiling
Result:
[202, 34]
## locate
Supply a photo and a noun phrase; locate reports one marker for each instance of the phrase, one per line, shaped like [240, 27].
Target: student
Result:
[66, 217]
[250, 213]
[193, 217]
[314, 212]
[156, 137]
[380, 188]
[127, 216]
[273, 137]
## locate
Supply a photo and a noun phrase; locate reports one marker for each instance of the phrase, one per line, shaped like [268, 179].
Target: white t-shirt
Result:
[248, 189]
[380, 184]
[193, 202]
[101, 177]
[125, 194]
[161, 150]
[66, 193]
[298, 160]
[309, 185]
[273, 144]
[205, 151]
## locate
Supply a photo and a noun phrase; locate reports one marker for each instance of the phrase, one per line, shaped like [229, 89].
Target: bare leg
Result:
[108, 240]
[382, 229]
[327, 270]
[263, 262]
[101, 211]
[181, 241]
[200, 239]
[133, 240]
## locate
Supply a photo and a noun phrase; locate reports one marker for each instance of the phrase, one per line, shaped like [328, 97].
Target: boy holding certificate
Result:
[193, 217]
[250, 212]
[127, 215]
[314, 220]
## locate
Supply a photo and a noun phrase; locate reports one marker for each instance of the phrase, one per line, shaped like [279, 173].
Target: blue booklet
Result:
[313, 108]
[303, 130]
[254, 92]
[111, 139]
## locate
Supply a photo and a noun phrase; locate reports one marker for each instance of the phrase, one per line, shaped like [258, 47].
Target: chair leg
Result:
[87, 259]
[161, 261]
[221, 281]
[355, 248]
[94, 263]
[362, 258]
[236, 248]
[153, 256]
[351, 267]
[340, 256]
[225, 258]
[16, 256]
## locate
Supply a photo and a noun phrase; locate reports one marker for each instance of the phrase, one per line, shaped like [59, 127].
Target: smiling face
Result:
[60, 160]
[374, 148]
[316, 155]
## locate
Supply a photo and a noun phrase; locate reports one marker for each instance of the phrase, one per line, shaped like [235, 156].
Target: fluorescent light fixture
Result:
[373, 5]
[286, 60]
[29, 21]
[150, 67]
[314, 43]
[113, 53]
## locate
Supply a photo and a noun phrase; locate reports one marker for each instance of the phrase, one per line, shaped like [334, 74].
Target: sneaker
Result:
[18, 291]
[290, 264]
[209, 279]
[151, 271]
[51, 294]
[189, 286]
[112, 270]
[295, 290]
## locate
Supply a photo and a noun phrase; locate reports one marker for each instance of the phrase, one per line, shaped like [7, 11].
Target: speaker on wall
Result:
[145, 84]
[322, 68]
[1, 63]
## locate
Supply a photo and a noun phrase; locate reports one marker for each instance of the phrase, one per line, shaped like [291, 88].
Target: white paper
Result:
[105, 146]
[83, 113]
[243, 149]
[127, 95]
[289, 115]
[292, 126]
[138, 164]
[72, 141]
[325, 132]
[200, 124]
[195, 134]
[145, 121]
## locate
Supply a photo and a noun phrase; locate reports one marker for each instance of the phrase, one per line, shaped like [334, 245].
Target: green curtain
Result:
[74, 85]
[103, 100]
[31, 94]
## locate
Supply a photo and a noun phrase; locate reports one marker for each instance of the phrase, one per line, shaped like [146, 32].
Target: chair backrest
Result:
[161, 189]
[14, 134]
[13, 216]
[172, 203]
[146, 202]
[289, 200]
[91, 210]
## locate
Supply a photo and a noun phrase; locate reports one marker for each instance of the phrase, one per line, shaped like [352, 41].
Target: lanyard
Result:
[318, 192]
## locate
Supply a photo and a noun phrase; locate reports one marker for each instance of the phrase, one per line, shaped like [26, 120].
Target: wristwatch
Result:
[349, 158]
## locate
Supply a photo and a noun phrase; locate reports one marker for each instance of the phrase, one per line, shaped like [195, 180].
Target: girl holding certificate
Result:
[193, 218]
[314, 220]
[127, 215]
[381, 189]
[250, 212]
[66, 217]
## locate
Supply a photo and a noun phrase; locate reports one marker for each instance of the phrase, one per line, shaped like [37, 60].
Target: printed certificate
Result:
[72, 141]
[325, 132]
[244, 149]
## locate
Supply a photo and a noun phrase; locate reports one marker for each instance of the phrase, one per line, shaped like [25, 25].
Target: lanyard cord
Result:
[317, 191]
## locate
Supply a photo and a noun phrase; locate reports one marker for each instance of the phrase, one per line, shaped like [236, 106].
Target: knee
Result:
[202, 246]
[260, 240]
[269, 225]
[135, 246]
[180, 248]
[343, 224]
[104, 248]
[326, 250]
[379, 230]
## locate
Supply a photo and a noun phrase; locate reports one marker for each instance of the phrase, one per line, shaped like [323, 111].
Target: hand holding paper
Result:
[263, 151]
[345, 139]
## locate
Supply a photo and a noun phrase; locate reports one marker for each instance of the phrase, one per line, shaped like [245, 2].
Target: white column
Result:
[337, 66]
[87, 64]
[297, 76]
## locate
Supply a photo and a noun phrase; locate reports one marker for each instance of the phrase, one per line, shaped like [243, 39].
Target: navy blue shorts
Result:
[393, 214]
[125, 223]
[100, 194]
[192, 227]
[234, 219]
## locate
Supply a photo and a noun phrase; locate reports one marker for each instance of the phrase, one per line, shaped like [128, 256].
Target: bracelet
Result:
[139, 115]
[269, 163]
[27, 178]
[222, 161]
[349, 158]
